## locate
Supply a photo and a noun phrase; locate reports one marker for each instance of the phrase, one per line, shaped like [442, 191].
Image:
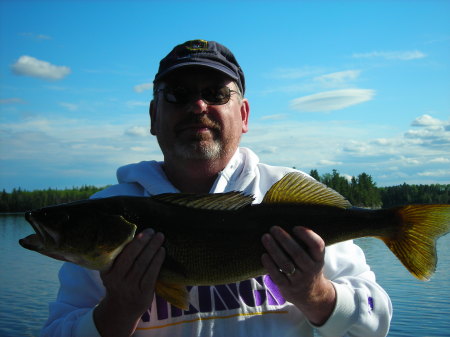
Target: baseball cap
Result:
[209, 54]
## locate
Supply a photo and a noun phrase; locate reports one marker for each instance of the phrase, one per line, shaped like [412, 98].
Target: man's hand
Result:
[296, 267]
[130, 285]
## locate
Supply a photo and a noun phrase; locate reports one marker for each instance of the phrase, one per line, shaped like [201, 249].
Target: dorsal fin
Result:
[219, 201]
[295, 187]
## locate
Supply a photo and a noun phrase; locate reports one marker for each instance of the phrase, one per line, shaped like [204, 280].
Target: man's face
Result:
[197, 130]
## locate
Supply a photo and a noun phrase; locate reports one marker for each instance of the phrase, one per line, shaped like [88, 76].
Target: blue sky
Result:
[356, 86]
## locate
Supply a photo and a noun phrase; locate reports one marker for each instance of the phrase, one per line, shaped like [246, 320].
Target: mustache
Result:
[203, 120]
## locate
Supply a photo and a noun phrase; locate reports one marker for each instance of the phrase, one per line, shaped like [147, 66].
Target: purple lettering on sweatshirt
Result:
[246, 293]
[161, 308]
[370, 301]
[273, 293]
[204, 298]
[260, 292]
[225, 297]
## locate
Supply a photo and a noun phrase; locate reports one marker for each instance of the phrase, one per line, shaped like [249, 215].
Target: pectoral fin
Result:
[175, 294]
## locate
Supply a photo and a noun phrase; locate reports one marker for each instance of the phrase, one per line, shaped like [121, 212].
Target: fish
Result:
[215, 239]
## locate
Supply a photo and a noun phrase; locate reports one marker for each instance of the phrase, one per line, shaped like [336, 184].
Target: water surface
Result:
[29, 281]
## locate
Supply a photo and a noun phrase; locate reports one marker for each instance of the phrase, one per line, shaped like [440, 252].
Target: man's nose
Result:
[198, 106]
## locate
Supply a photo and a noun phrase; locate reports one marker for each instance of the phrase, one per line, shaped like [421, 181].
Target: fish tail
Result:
[415, 242]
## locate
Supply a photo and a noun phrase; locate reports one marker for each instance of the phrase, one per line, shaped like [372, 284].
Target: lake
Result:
[29, 281]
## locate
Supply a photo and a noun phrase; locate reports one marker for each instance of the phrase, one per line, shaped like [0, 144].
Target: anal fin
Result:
[175, 294]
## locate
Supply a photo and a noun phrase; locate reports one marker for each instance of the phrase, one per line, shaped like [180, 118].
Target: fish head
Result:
[84, 233]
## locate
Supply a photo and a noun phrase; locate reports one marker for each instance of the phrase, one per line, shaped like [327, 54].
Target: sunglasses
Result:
[211, 95]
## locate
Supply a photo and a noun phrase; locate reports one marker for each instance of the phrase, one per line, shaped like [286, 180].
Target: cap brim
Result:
[215, 66]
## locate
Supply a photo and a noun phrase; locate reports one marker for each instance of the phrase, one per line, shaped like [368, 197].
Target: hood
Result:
[150, 176]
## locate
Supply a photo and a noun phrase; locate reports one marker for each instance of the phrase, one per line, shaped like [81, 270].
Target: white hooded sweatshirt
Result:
[251, 308]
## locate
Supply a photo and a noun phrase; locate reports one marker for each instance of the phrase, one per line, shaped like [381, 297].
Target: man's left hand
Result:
[296, 267]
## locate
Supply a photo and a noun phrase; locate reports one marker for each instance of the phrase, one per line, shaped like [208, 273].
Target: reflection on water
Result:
[420, 308]
[29, 281]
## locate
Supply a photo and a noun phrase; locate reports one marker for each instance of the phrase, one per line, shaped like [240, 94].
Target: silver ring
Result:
[288, 269]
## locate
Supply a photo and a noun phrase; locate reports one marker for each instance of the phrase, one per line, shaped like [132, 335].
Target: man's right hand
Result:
[130, 285]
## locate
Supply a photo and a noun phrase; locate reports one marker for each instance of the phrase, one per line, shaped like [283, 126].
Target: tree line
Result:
[19, 200]
[361, 191]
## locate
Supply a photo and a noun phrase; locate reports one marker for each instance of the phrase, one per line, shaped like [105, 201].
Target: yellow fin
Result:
[176, 294]
[415, 242]
[295, 187]
[219, 201]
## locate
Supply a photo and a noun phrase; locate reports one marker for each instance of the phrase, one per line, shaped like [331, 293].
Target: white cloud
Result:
[139, 131]
[143, 87]
[337, 78]
[332, 100]
[392, 55]
[139, 148]
[440, 160]
[356, 147]
[348, 177]
[310, 80]
[58, 146]
[326, 162]
[426, 120]
[12, 100]
[133, 104]
[294, 73]
[432, 131]
[409, 160]
[435, 173]
[30, 66]
[353, 148]
[36, 36]
[274, 117]
[69, 106]
[52, 148]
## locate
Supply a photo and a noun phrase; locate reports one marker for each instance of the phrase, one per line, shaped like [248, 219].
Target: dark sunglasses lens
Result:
[181, 95]
[177, 95]
[216, 95]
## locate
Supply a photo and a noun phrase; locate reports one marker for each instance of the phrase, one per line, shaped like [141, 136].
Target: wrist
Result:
[113, 319]
[321, 303]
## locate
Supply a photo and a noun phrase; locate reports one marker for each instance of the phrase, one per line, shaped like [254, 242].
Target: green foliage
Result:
[362, 191]
[20, 200]
[415, 194]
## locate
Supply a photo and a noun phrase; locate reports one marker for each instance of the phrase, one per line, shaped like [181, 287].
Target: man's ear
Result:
[152, 113]
[245, 113]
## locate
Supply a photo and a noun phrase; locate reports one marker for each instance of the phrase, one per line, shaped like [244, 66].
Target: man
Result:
[198, 115]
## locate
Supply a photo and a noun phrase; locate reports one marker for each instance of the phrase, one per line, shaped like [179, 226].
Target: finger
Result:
[273, 270]
[144, 259]
[152, 272]
[293, 249]
[277, 254]
[125, 260]
[313, 242]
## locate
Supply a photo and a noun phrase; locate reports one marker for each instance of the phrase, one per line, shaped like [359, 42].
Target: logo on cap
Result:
[197, 45]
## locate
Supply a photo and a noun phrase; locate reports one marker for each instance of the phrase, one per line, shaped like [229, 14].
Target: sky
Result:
[355, 86]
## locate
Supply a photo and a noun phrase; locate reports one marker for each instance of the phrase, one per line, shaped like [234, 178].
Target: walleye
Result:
[216, 238]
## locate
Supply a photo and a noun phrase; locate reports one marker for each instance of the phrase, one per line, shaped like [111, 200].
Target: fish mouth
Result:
[43, 237]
